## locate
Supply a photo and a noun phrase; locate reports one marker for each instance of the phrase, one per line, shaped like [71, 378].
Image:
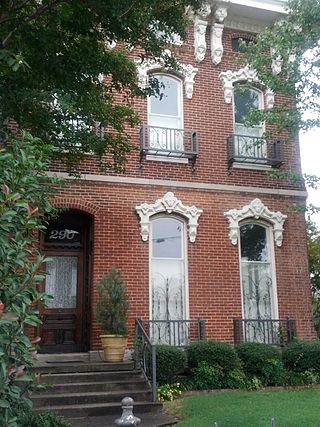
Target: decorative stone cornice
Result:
[256, 210]
[216, 43]
[187, 72]
[246, 74]
[168, 204]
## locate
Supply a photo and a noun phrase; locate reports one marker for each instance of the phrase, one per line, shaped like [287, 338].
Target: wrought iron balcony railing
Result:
[268, 331]
[178, 333]
[168, 142]
[254, 150]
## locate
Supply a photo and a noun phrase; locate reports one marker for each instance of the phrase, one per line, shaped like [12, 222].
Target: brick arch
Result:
[71, 203]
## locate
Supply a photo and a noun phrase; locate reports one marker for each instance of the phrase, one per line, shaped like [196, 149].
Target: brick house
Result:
[197, 226]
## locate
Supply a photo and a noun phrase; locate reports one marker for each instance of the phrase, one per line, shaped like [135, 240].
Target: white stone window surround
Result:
[168, 204]
[187, 73]
[245, 74]
[255, 210]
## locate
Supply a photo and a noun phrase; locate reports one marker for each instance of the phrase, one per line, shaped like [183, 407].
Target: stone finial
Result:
[127, 418]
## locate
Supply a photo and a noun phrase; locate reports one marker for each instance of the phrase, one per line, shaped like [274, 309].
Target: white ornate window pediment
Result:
[229, 78]
[168, 204]
[188, 73]
[256, 210]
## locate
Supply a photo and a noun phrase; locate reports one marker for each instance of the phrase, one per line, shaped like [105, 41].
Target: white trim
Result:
[187, 72]
[168, 204]
[230, 77]
[166, 159]
[251, 166]
[205, 186]
[184, 259]
[255, 210]
[272, 266]
[180, 115]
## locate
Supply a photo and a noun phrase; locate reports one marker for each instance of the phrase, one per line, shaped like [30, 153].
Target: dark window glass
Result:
[235, 43]
[245, 100]
[253, 239]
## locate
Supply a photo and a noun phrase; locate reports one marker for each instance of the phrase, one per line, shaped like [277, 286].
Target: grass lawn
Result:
[290, 408]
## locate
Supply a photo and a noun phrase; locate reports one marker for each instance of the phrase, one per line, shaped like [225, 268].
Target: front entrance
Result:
[65, 320]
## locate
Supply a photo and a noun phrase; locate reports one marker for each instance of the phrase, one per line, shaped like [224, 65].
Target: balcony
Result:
[254, 151]
[168, 143]
[268, 331]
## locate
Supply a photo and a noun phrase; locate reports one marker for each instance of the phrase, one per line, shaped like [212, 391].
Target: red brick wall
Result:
[213, 262]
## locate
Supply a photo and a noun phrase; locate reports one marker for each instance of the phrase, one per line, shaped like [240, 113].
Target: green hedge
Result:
[302, 356]
[213, 353]
[171, 361]
[262, 361]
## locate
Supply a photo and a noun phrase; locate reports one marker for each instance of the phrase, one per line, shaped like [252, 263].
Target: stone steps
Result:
[80, 388]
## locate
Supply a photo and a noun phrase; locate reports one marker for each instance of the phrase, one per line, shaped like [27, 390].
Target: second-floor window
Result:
[165, 114]
[248, 142]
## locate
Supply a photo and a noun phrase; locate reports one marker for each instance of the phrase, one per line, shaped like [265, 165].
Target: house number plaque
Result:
[63, 234]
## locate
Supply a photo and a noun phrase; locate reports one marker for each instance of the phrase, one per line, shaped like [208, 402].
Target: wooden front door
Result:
[64, 319]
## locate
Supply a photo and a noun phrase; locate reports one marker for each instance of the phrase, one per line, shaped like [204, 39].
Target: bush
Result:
[168, 392]
[262, 361]
[46, 419]
[206, 377]
[216, 354]
[291, 378]
[171, 361]
[302, 356]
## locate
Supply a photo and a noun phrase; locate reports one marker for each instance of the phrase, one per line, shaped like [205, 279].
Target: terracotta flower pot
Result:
[114, 347]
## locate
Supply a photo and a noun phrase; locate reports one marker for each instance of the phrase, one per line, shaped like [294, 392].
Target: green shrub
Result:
[262, 361]
[27, 418]
[291, 378]
[206, 377]
[302, 356]
[171, 361]
[214, 353]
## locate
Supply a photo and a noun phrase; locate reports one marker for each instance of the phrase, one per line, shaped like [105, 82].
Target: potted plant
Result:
[112, 314]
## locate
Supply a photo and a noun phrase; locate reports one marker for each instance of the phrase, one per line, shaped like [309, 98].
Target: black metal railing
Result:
[254, 150]
[168, 142]
[177, 333]
[145, 356]
[268, 331]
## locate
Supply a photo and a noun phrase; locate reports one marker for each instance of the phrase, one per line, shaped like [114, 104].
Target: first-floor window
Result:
[168, 280]
[258, 282]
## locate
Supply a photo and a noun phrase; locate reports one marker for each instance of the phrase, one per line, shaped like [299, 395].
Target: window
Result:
[248, 142]
[168, 279]
[258, 281]
[165, 115]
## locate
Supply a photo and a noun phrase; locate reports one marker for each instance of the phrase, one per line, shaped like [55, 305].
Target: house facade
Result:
[197, 224]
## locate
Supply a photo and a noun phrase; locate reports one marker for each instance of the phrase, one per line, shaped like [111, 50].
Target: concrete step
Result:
[71, 367]
[82, 387]
[48, 400]
[100, 409]
[101, 376]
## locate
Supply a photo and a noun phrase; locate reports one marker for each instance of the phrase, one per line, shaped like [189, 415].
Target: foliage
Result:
[171, 361]
[112, 304]
[291, 378]
[46, 419]
[301, 356]
[313, 234]
[24, 203]
[53, 54]
[215, 353]
[262, 361]
[168, 392]
[206, 377]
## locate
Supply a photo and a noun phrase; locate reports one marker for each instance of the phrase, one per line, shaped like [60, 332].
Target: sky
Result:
[310, 159]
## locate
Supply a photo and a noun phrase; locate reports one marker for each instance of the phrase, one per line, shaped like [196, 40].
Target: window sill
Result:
[167, 159]
[251, 166]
